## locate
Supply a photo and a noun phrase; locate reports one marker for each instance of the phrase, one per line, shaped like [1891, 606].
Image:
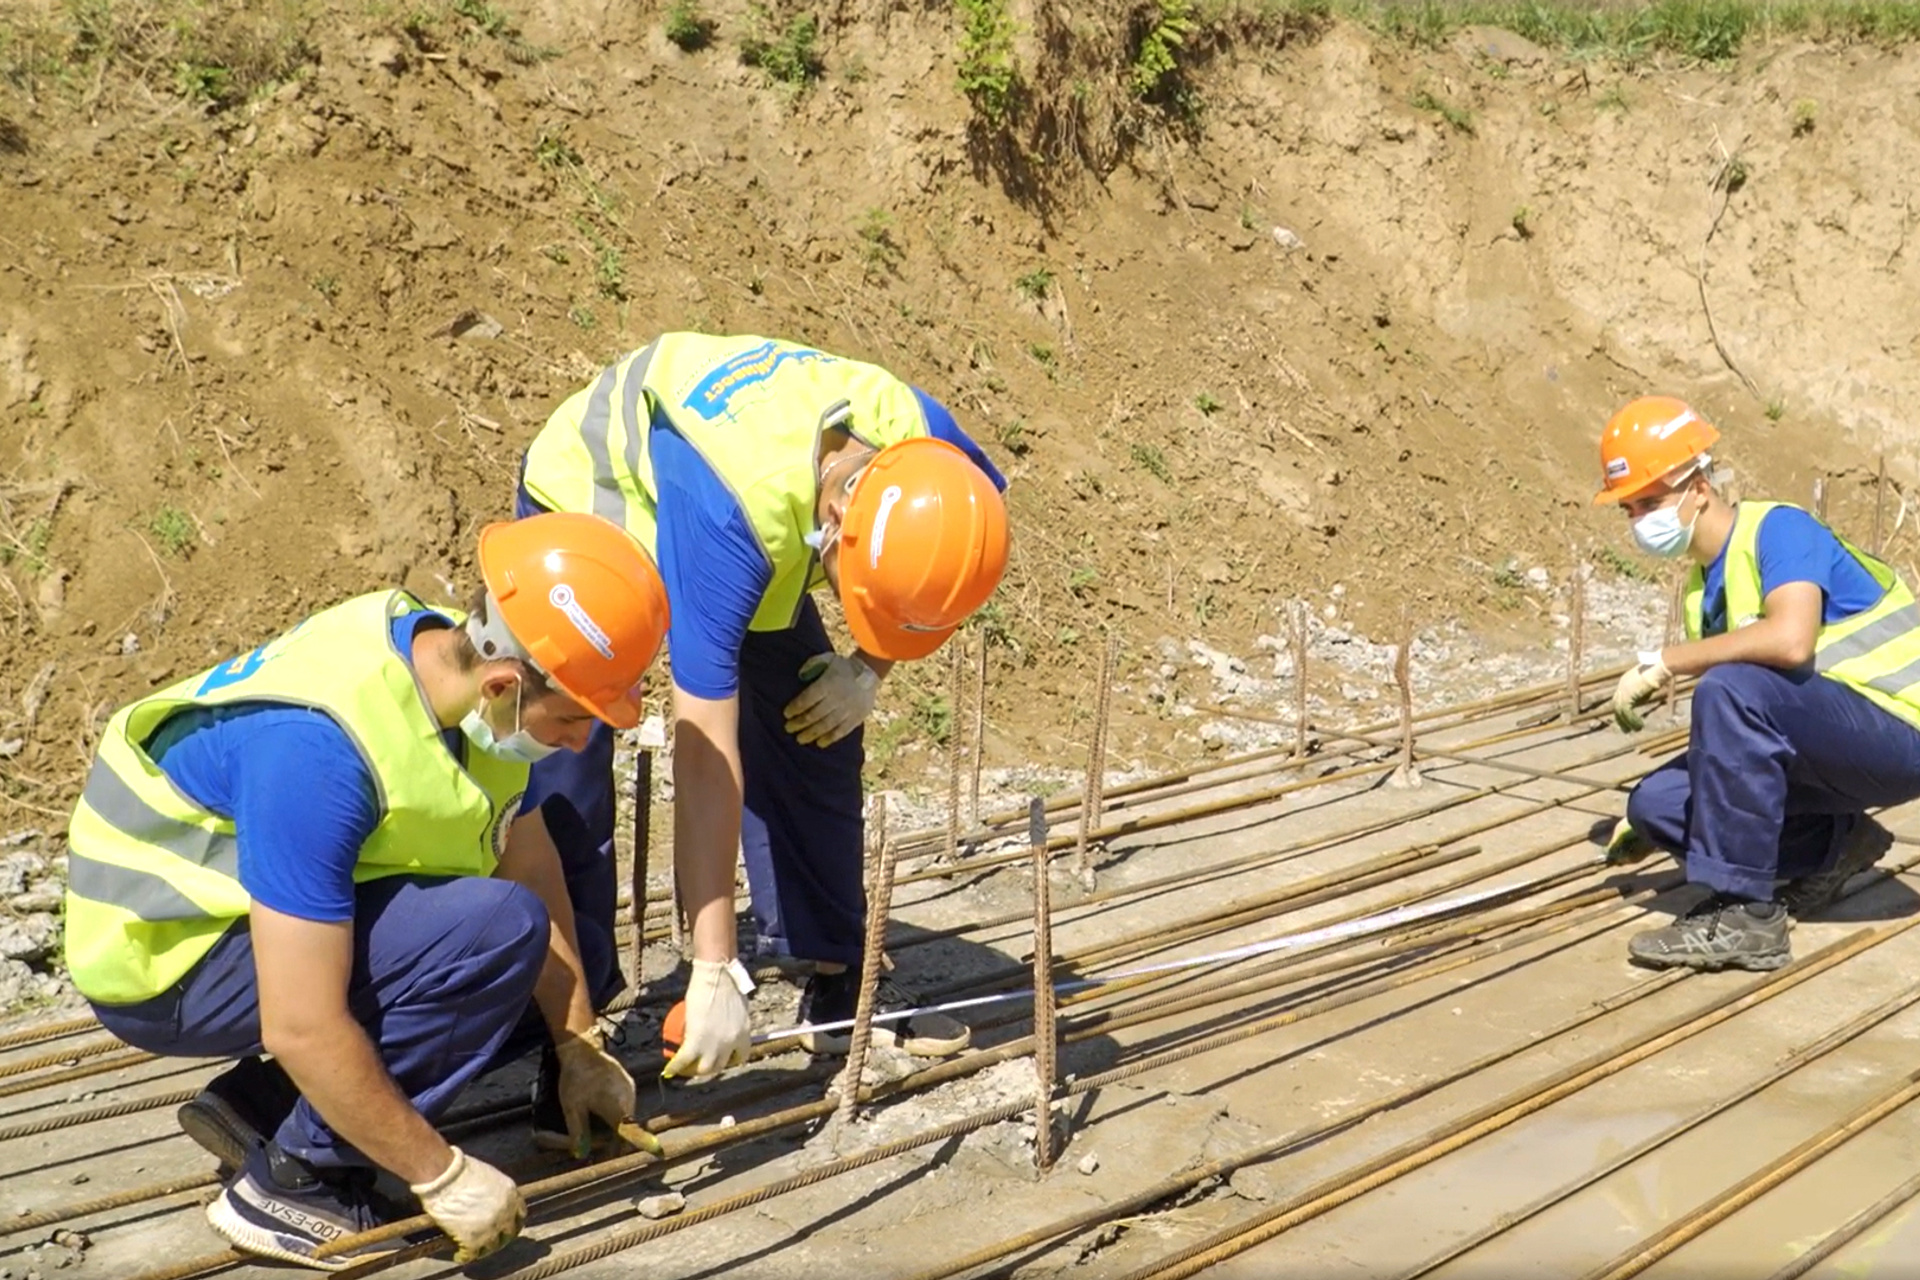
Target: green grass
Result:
[1623, 565]
[786, 54]
[173, 529]
[1459, 117]
[1156, 58]
[1148, 458]
[687, 27]
[988, 75]
[1206, 403]
[879, 251]
[1035, 284]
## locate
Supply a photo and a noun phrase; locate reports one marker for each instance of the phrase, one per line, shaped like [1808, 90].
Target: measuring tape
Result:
[1293, 941]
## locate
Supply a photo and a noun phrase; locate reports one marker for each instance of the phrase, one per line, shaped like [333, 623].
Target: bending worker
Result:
[319, 850]
[1806, 714]
[759, 470]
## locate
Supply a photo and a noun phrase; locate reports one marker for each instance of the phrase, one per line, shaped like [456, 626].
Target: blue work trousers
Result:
[1780, 770]
[443, 970]
[802, 832]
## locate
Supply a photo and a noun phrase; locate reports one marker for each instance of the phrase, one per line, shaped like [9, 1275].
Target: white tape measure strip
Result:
[1352, 928]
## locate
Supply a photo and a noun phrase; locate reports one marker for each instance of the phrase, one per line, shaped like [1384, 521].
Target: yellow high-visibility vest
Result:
[153, 879]
[753, 407]
[1875, 652]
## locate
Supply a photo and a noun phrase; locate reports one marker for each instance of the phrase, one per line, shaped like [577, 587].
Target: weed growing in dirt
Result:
[553, 151]
[787, 54]
[583, 318]
[30, 548]
[1622, 565]
[1207, 404]
[1013, 438]
[1042, 355]
[1523, 222]
[1155, 59]
[172, 528]
[1036, 284]
[1614, 99]
[988, 76]
[1776, 410]
[1459, 117]
[1148, 458]
[610, 272]
[495, 23]
[687, 27]
[1804, 112]
[327, 287]
[1082, 580]
[879, 251]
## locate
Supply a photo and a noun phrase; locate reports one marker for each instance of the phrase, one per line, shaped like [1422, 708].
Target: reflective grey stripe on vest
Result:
[596, 427]
[146, 895]
[1870, 637]
[116, 804]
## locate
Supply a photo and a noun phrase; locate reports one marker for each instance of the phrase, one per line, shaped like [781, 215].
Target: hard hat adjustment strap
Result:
[493, 641]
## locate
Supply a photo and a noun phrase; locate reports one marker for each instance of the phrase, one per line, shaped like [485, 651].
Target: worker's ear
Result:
[498, 678]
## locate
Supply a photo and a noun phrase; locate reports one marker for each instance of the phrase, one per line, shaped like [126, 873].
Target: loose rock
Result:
[1089, 1164]
[660, 1206]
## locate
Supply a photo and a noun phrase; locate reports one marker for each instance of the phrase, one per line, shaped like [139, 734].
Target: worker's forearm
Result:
[1759, 643]
[706, 826]
[561, 992]
[341, 1076]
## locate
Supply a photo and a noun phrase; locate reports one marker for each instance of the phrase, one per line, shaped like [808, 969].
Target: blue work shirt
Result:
[715, 569]
[300, 797]
[1792, 546]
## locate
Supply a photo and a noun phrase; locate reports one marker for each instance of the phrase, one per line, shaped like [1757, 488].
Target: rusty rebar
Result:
[1576, 634]
[1879, 501]
[100, 1066]
[91, 1049]
[1820, 498]
[1090, 790]
[1350, 1184]
[1299, 638]
[1846, 1232]
[979, 733]
[1756, 1184]
[642, 849]
[1406, 774]
[956, 699]
[879, 902]
[1045, 1045]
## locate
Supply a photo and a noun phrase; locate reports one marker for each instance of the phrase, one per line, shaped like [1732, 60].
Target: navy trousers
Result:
[1781, 768]
[443, 970]
[802, 832]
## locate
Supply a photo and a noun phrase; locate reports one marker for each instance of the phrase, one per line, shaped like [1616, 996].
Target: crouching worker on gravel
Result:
[761, 470]
[1806, 714]
[319, 850]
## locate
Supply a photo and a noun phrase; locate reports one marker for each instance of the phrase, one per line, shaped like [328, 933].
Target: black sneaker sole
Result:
[1713, 964]
[218, 1129]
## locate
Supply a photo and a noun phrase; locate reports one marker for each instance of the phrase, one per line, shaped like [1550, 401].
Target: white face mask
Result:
[1660, 532]
[519, 746]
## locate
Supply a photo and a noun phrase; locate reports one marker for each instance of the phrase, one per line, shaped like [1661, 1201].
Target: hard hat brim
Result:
[884, 640]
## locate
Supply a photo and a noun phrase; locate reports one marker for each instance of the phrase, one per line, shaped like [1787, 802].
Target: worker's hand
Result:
[718, 1034]
[840, 698]
[1636, 688]
[592, 1083]
[475, 1204]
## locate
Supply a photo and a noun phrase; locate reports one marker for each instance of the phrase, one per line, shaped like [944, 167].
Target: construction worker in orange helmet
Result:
[318, 850]
[761, 470]
[1807, 710]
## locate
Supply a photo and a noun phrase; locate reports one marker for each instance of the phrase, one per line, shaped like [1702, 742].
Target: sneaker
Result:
[1721, 932]
[1865, 845]
[279, 1207]
[239, 1110]
[833, 997]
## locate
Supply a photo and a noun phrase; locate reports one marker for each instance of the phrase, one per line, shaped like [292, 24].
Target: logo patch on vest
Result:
[562, 598]
[711, 395]
[503, 822]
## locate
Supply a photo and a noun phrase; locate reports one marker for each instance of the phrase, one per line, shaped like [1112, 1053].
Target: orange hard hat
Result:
[1645, 442]
[579, 597]
[923, 543]
[673, 1031]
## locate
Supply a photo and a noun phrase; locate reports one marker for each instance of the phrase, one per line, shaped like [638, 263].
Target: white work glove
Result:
[718, 1034]
[1637, 687]
[592, 1083]
[840, 698]
[475, 1204]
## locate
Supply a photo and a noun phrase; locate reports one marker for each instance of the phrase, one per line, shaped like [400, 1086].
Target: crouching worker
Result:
[1807, 712]
[317, 850]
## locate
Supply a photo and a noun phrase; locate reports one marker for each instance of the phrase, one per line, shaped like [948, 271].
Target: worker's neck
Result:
[1711, 530]
[448, 689]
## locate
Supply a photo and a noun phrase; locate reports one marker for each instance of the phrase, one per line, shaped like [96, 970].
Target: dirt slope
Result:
[1353, 319]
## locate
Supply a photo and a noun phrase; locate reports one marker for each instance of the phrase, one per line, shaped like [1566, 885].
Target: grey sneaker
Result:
[1865, 845]
[830, 998]
[1720, 933]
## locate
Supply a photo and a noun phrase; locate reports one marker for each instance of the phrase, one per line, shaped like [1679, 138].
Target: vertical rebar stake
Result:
[879, 902]
[1670, 633]
[1300, 679]
[979, 733]
[642, 847]
[1405, 775]
[1820, 498]
[1109, 665]
[956, 698]
[1879, 502]
[1090, 797]
[1576, 635]
[1044, 1043]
